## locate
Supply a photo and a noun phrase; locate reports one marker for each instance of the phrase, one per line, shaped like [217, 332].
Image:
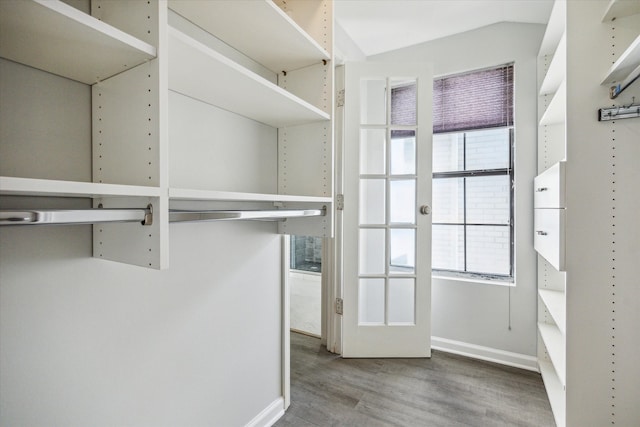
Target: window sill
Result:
[454, 278]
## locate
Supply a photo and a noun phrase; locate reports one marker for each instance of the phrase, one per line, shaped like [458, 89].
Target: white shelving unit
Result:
[548, 201]
[587, 315]
[135, 62]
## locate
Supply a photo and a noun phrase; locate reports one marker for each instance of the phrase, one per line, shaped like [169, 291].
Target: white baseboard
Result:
[269, 415]
[489, 354]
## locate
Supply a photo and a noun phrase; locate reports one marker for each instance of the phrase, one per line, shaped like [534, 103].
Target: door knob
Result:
[425, 209]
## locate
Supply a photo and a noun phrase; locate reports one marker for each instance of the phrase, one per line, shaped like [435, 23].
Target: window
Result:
[473, 175]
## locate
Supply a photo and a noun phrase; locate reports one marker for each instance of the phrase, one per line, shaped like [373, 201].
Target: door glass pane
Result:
[488, 199]
[371, 300]
[373, 102]
[447, 247]
[403, 152]
[448, 200]
[403, 251]
[488, 249]
[488, 149]
[402, 296]
[403, 102]
[448, 152]
[402, 201]
[372, 251]
[372, 151]
[372, 195]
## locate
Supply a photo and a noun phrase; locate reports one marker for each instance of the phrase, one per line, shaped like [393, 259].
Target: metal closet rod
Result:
[145, 216]
[219, 215]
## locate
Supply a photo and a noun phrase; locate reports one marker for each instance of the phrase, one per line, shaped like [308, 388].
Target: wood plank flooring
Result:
[446, 390]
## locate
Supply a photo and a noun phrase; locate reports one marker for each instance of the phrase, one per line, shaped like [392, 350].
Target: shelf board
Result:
[556, 111]
[555, 302]
[555, 28]
[55, 37]
[205, 195]
[620, 9]
[628, 62]
[555, 391]
[556, 72]
[555, 343]
[197, 71]
[11, 186]
[259, 29]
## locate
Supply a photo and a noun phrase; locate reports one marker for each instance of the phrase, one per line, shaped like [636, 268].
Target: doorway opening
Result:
[305, 285]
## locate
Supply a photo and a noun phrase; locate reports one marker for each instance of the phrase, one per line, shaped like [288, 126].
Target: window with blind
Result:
[473, 175]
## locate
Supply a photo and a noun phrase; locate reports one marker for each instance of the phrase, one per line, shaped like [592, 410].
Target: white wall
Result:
[88, 342]
[474, 313]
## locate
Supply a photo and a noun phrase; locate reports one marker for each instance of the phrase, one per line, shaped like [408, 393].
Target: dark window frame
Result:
[463, 91]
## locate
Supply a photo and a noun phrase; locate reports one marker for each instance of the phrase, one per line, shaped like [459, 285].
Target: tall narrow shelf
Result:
[200, 72]
[274, 39]
[55, 37]
[588, 339]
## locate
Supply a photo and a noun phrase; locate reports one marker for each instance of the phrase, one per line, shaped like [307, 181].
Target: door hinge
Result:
[339, 306]
[340, 98]
[340, 202]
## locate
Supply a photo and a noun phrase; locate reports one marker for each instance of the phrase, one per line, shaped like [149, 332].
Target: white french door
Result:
[386, 221]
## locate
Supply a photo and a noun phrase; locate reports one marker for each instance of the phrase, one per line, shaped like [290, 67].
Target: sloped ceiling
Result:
[378, 26]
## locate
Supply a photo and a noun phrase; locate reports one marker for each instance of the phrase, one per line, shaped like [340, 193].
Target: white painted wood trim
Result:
[269, 415]
[488, 354]
[286, 321]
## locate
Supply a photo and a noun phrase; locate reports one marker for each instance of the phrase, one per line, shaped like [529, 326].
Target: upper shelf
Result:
[555, 28]
[628, 63]
[621, 8]
[259, 29]
[555, 302]
[11, 186]
[55, 37]
[200, 72]
[556, 111]
[231, 196]
[556, 72]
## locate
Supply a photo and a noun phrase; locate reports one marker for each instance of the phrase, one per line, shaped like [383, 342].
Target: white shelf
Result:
[11, 186]
[621, 8]
[556, 111]
[555, 28]
[628, 62]
[259, 29]
[555, 343]
[555, 302]
[556, 72]
[204, 195]
[57, 38]
[555, 391]
[202, 73]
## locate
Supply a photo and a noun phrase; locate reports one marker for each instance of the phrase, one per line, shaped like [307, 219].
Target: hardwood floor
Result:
[446, 390]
